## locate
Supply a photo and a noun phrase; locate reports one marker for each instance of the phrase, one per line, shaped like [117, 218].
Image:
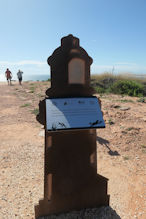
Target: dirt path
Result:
[21, 157]
[121, 152]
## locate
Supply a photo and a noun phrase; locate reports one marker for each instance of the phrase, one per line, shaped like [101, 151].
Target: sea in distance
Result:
[33, 77]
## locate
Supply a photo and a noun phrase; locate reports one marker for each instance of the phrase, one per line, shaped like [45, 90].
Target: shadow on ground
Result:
[89, 213]
[105, 143]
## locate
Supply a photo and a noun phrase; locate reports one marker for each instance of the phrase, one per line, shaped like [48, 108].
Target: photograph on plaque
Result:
[73, 113]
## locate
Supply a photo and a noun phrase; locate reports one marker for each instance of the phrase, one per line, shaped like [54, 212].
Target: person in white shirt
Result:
[19, 75]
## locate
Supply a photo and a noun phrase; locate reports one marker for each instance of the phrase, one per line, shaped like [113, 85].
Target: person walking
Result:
[8, 75]
[19, 75]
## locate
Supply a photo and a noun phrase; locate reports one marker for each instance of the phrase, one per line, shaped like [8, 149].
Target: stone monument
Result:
[71, 181]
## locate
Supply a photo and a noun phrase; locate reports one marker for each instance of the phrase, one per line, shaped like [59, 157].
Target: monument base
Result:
[92, 195]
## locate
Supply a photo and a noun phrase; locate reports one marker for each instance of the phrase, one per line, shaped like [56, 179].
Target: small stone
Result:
[116, 106]
[42, 133]
[124, 108]
[27, 91]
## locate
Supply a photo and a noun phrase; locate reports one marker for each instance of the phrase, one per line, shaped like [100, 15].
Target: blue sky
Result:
[113, 32]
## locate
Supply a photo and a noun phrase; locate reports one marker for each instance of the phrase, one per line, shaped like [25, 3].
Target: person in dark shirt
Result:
[8, 75]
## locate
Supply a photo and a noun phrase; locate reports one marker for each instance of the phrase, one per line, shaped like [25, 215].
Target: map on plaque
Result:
[73, 113]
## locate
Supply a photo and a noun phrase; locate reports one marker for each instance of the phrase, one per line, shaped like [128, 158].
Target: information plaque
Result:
[73, 113]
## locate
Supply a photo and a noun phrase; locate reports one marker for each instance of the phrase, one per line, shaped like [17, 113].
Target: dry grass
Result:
[124, 76]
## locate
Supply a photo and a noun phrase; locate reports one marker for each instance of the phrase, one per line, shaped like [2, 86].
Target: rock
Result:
[115, 106]
[27, 91]
[144, 119]
[42, 133]
[124, 108]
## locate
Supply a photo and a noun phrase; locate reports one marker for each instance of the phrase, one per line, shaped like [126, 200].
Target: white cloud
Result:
[23, 62]
[100, 68]
[125, 63]
[119, 68]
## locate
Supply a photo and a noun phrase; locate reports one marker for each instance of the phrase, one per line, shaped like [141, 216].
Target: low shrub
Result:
[110, 122]
[100, 90]
[25, 105]
[129, 87]
[108, 81]
[142, 100]
[32, 89]
[35, 111]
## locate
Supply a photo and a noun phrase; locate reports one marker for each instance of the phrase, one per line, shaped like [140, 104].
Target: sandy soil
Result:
[121, 151]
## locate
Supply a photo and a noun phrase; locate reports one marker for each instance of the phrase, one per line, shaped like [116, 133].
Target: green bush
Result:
[142, 100]
[100, 90]
[108, 81]
[129, 87]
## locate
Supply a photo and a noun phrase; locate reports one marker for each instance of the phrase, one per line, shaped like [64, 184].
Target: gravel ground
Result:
[121, 155]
